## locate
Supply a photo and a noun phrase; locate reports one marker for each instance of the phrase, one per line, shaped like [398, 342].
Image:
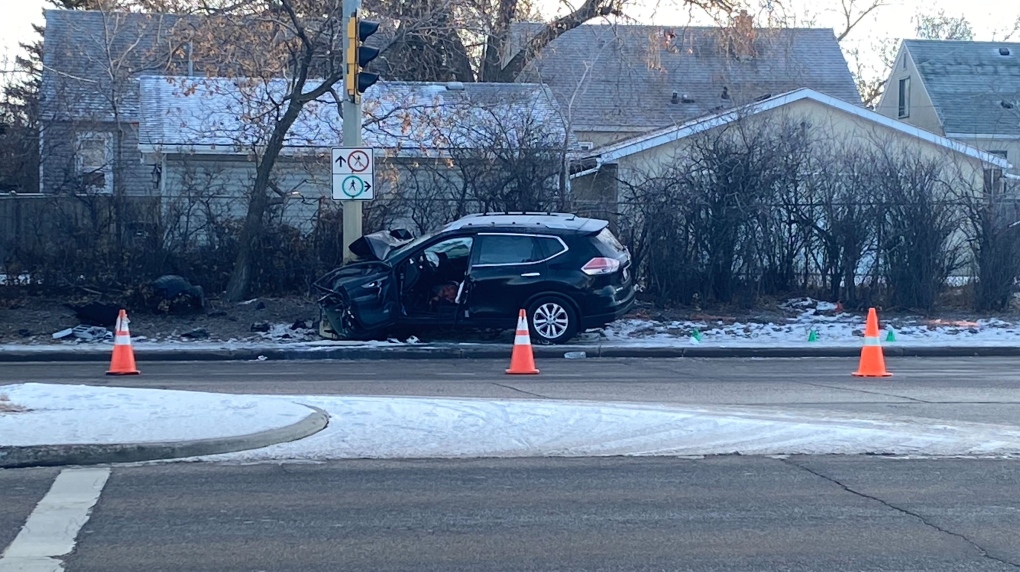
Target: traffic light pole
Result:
[352, 228]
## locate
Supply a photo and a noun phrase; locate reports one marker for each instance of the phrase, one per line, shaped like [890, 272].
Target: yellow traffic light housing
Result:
[357, 57]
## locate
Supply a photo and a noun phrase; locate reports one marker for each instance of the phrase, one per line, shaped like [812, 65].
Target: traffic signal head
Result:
[358, 56]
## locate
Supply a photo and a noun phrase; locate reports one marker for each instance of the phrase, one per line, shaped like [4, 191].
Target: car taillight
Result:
[597, 266]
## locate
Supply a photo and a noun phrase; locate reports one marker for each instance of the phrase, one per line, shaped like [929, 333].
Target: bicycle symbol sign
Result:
[353, 173]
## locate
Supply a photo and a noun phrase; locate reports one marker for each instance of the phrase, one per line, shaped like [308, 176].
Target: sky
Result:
[990, 18]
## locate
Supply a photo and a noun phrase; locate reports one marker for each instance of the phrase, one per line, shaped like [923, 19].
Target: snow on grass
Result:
[7, 407]
[806, 315]
[64, 414]
[832, 329]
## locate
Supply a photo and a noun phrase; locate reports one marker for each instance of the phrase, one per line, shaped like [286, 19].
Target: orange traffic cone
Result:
[522, 362]
[123, 362]
[872, 359]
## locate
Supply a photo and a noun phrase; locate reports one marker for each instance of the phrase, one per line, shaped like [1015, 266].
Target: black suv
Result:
[570, 274]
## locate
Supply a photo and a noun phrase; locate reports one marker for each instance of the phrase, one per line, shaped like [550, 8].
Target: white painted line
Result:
[53, 526]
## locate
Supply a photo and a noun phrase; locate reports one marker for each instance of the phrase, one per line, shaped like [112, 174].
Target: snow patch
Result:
[385, 428]
[401, 427]
[77, 414]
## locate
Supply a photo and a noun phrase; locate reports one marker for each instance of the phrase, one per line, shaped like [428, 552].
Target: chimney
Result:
[742, 35]
[743, 22]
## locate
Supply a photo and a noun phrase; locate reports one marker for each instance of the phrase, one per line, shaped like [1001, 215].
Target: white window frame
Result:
[903, 89]
[106, 168]
[994, 181]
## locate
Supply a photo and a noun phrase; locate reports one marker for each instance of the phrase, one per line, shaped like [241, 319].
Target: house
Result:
[836, 123]
[965, 91]
[616, 82]
[128, 110]
[199, 134]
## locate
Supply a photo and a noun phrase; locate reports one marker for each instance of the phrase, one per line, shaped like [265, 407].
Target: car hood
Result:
[352, 274]
[378, 245]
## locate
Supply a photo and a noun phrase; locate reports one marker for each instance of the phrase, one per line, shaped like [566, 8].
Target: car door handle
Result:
[530, 274]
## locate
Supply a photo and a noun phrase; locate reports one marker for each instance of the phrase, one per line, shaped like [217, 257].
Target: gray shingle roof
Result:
[227, 115]
[91, 57]
[623, 77]
[967, 82]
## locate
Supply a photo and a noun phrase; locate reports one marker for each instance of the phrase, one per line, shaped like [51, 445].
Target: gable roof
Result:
[90, 56]
[654, 139]
[967, 83]
[229, 116]
[622, 78]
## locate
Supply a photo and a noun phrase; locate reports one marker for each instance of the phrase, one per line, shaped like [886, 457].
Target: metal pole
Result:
[352, 138]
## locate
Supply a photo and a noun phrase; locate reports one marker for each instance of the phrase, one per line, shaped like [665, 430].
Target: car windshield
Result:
[396, 252]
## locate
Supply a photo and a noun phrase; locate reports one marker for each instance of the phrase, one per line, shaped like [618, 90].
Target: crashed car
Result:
[568, 272]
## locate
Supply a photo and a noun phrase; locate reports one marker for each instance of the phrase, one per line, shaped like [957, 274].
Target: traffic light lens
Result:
[366, 80]
[366, 28]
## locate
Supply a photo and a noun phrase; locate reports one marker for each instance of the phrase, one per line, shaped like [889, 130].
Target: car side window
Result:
[509, 249]
[453, 249]
[549, 246]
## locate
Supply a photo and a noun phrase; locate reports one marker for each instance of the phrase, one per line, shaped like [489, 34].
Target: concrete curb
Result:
[454, 351]
[101, 454]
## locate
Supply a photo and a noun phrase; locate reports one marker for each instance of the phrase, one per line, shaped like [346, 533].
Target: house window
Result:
[993, 181]
[904, 102]
[94, 158]
[1002, 154]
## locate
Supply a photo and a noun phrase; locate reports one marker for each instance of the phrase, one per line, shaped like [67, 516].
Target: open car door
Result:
[359, 300]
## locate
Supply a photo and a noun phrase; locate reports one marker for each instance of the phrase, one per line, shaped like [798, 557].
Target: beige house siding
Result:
[601, 138]
[920, 110]
[827, 124]
[993, 145]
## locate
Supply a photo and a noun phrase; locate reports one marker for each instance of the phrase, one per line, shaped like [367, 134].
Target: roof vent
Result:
[725, 92]
[1004, 51]
[675, 99]
[1006, 104]
[687, 99]
[455, 86]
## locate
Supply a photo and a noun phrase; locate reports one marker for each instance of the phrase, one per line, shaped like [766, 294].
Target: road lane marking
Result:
[53, 526]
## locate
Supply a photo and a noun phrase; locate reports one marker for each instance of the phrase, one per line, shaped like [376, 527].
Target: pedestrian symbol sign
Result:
[353, 174]
[354, 186]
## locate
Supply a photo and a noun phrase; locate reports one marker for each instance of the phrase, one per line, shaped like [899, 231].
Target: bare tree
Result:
[921, 223]
[259, 43]
[469, 40]
[941, 26]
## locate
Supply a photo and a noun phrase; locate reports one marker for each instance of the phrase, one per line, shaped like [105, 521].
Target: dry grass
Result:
[7, 407]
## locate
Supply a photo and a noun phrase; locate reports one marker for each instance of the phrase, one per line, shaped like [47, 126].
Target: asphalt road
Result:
[724, 513]
[963, 389]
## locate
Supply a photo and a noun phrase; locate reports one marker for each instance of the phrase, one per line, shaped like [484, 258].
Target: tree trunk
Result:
[251, 231]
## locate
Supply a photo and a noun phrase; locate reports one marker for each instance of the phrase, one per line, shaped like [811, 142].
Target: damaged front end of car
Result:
[359, 300]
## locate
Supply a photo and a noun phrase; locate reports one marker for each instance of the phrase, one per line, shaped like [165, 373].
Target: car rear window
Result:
[509, 249]
[608, 243]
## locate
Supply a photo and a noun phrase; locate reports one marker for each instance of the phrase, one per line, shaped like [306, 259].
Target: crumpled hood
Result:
[378, 245]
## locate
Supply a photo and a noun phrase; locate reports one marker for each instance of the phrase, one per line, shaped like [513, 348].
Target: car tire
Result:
[552, 320]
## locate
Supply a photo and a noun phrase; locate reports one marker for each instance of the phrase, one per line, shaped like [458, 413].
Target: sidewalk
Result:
[381, 350]
[45, 425]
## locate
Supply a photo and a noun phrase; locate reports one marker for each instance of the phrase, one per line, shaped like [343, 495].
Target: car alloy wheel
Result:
[551, 320]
